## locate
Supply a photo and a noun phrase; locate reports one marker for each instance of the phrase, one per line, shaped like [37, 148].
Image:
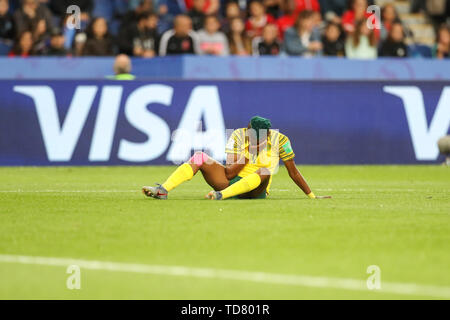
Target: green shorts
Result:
[262, 195]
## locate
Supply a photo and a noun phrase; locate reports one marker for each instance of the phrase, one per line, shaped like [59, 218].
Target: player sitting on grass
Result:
[253, 155]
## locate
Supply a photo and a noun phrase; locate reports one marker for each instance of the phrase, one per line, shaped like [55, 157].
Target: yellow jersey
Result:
[278, 147]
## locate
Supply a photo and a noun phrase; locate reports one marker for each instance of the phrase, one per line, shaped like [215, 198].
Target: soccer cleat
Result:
[214, 195]
[157, 192]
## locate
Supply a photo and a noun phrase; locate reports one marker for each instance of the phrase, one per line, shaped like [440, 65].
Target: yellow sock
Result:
[250, 182]
[181, 174]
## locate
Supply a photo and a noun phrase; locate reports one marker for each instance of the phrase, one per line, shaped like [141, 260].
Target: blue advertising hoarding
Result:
[90, 122]
[230, 68]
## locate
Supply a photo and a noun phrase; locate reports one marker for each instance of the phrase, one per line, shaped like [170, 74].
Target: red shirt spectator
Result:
[358, 11]
[312, 5]
[289, 17]
[24, 46]
[258, 19]
[285, 22]
[190, 4]
[255, 28]
[209, 6]
[349, 20]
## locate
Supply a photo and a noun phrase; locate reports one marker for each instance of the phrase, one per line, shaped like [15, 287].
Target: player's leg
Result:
[259, 192]
[243, 186]
[213, 172]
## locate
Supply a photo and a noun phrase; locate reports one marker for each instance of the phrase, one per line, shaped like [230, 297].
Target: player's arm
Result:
[287, 155]
[235, 163]
[297, 177]
[235, 151]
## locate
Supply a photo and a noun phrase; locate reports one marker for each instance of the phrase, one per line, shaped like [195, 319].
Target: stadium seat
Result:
[121, 6]
[114, 26]
[104, 8]
[4, 49]
[419, 50]
[56, 21]
[109, 8]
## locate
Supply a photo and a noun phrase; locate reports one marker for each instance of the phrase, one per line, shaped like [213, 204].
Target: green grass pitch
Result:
[395, 217]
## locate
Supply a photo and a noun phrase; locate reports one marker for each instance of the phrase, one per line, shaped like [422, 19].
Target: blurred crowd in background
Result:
[149, 28]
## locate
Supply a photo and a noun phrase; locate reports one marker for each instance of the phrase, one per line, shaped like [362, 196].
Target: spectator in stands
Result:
[212, 7]
[209, 6]
[139, 34]
[240, 43]
[394, 45]
[41, 36]
[140, 39]
[163, 9]
[357, 12]
[23, 46]
[268, 43]
[332, 17]
[333, 7]
[110, 9]
[362, 43]
[7, 29]
[56, 47]
[165, 19]
[287, 20]
[273, 7]
[70, 34]
[438, 11]
[418, 6]
[181, 39]
[211, 40]
[333, 41]
[78, 43]
[133, 4]
[174, 8]
[59, 8]
[197, 14]
[29, 14]
[441, 49]
[130, 18]
[99, 42]
[319, 24]
[310, 5]
[258, 19]
[389, 16]
[122, 68]
[302, 39]
[232, 11]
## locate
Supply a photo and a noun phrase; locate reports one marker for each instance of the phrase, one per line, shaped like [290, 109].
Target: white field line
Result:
[258, 277]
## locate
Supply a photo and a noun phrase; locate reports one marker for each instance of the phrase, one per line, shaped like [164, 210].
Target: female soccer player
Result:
[253, 154]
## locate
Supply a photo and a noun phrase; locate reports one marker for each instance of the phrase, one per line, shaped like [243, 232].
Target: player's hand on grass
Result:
[313, 196]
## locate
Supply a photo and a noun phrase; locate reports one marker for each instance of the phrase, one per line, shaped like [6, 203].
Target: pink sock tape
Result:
[199, 158]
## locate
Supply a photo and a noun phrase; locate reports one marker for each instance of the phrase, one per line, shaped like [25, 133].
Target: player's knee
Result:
[199, 158]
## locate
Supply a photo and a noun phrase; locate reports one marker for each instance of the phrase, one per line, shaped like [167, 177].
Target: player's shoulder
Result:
[239, 132]
[285, 148]
[277, 135]
[237, 136]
